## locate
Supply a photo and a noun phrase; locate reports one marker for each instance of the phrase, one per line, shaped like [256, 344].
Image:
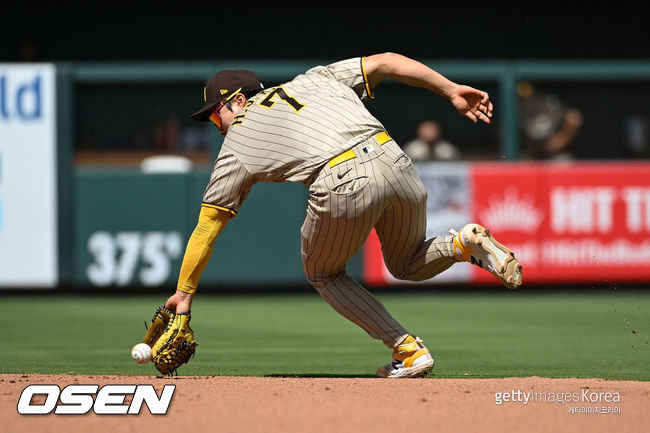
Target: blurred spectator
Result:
[429, 144]
[166, 134]
[195, 139]
[548, 125]
[635, 136]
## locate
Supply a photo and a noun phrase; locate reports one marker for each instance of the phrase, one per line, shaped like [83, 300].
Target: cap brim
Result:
[203, 115]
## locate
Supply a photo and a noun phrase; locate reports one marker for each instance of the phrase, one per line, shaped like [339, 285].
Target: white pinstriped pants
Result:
[379, 188]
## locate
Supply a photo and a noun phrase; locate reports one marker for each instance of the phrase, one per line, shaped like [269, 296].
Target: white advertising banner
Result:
[28, 210]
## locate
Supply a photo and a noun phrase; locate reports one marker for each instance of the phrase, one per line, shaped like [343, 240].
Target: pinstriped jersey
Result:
[288, 132]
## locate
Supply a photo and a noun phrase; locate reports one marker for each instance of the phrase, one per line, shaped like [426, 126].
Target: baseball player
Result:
[316, 130]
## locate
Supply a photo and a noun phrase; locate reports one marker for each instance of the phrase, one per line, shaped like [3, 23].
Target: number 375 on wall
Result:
[125, 258]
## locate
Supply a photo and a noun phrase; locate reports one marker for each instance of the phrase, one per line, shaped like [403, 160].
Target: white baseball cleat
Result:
[474, 244]
[410, 359]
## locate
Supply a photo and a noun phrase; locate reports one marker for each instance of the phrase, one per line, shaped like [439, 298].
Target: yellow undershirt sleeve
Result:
[199, 247]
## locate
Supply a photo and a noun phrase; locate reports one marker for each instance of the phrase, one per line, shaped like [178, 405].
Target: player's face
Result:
[222, 116]
[217, 118]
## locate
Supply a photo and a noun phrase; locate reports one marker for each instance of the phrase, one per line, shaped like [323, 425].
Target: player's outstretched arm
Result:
[197, 254]
[472, 103]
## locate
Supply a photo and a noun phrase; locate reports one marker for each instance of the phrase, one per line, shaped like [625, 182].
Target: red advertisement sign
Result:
[579, 222]
[570, 222]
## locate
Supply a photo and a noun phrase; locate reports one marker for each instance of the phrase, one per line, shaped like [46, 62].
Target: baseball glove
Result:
[171, 340]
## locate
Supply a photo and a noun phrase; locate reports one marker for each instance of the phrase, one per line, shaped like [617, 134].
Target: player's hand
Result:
[472, 103]
[179, 302]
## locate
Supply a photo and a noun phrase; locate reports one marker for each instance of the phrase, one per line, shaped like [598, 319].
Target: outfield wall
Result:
[130, 229]
[581, 222]
[63, 224]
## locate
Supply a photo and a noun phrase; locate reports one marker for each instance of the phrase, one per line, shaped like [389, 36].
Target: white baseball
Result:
[141, 353]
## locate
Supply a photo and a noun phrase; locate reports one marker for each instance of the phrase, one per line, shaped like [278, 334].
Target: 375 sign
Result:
[132, 257]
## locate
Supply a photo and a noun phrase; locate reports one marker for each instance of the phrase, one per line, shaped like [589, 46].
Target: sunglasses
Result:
[215, 117]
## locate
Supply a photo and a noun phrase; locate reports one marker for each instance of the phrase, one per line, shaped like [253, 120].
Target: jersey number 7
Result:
[279, 91]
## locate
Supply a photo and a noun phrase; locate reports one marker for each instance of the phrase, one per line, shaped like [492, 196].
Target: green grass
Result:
[470, 335]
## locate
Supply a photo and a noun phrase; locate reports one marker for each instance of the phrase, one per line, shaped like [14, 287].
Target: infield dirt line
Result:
[288, 404]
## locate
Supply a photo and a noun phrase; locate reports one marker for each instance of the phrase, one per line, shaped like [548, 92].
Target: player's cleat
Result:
[474, 244]
[410, 359]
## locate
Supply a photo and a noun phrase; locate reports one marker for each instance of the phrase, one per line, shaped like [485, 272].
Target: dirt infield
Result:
[255, 404]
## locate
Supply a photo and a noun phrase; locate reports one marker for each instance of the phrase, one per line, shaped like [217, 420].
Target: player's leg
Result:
[340, 214]
[402, 227]
[339, 218]
[401, 230]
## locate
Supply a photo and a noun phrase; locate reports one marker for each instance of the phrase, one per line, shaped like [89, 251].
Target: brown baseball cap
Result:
[224, 85]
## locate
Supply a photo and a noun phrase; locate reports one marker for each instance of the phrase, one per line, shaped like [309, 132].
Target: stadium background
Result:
[127, 77]
[90, 245]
